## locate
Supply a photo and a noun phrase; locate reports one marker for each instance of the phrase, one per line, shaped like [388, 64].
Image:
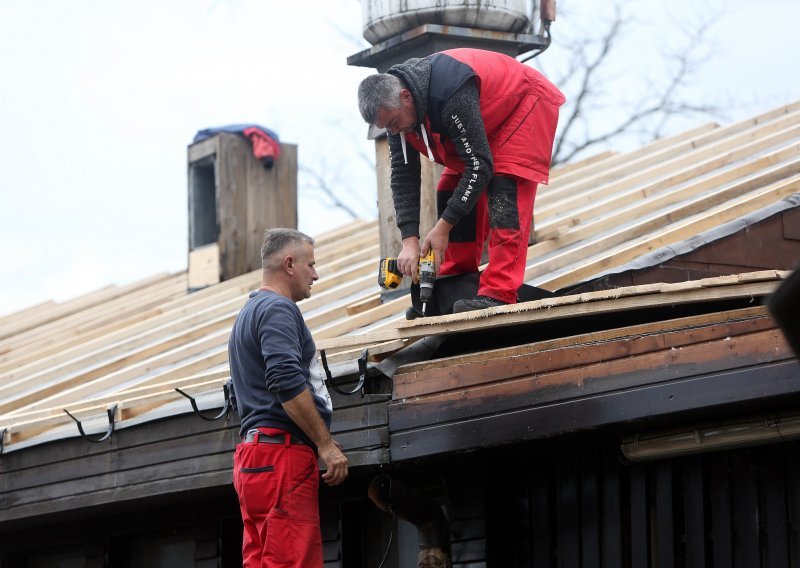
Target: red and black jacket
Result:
[483, 113]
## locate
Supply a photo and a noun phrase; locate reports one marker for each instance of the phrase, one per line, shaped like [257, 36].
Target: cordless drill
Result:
[390, 277]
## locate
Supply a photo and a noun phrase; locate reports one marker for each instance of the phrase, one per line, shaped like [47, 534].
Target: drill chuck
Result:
[427, 276]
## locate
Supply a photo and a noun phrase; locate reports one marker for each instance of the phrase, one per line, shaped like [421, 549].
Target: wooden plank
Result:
[574, 413]
[376, 352]
[745, 514]
[184, 483]
[772, 512]
[131, 326]
[639, 516]
[656, 163]
[35, 345]
[363, 319]
[180, 367]
[664, 545]
[593, 337]
[203, 266]
[128, 465]
[22, 425]
[354, 275]
[231, 190]
[353, 244]
[683, 168]
[363, 305]
[599, 215]
[143, 353]
[634, 297]
[120, 348]
[202, 149]
[540, 516]
[390, 240]
[646, 370]
[562, 170]
[447, 378]
[71, 386]
[65, 323]
[680, 142]
[584, 260]
[186, 425]
[69, 307]
[12, 319]
[346, 262]
[102, 364]
[721, 520]
[589, 509]
[694, 512]
[567, 515]
[611, 511]
[348, 288]
[332, 236]
[271, 200]
[360, 417]
[793, 505]
[166, 478]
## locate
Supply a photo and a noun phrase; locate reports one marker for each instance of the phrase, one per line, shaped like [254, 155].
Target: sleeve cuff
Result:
[289, 394]
[409, 230]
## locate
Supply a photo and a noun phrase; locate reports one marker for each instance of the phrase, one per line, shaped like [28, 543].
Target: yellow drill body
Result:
[390, 277]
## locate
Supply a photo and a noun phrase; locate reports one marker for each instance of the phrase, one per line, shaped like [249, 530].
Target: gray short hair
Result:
[376, 92]
[276, 240]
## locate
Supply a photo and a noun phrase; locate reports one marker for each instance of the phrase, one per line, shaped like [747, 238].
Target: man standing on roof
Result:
[491, 121]
[285, 413]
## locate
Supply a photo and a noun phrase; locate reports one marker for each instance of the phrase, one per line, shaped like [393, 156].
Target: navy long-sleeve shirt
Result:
[270, 352]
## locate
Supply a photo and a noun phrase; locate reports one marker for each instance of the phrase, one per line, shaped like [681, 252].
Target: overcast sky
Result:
[99, 100]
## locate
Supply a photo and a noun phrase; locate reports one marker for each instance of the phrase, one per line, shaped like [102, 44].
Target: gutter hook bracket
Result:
[223, 412]
[362, 374]
[102, 438]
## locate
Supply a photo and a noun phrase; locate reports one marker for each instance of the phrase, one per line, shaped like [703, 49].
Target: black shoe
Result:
[477, 303]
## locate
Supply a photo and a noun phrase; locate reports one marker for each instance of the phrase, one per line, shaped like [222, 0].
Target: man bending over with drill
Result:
[491, 121]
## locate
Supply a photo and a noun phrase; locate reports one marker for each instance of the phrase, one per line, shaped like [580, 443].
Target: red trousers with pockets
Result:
[504, 213]
[278, 489]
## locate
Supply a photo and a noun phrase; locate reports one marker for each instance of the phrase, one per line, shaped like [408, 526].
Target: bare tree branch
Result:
[589, 69]
[648, 116]
[321, 184]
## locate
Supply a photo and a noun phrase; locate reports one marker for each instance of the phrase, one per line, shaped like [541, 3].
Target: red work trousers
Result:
[278, 489]
[504, 212]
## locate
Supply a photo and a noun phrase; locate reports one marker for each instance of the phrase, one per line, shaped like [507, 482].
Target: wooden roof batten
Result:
[599, 214]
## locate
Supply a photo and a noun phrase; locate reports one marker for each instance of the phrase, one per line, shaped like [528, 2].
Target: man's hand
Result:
[408, 260]
[437, 239]
[336, 462]
[303, 412]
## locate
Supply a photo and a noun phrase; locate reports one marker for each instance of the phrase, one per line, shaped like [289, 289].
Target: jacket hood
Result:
[416, 74]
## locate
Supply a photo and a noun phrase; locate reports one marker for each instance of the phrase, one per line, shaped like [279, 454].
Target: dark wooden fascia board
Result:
[730, 387]
[476, 372]
[592, 380]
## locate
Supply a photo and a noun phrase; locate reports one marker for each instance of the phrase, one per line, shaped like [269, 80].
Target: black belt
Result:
[251, 436]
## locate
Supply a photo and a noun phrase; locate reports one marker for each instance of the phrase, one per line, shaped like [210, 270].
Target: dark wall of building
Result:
[567, 502]
[576, 502]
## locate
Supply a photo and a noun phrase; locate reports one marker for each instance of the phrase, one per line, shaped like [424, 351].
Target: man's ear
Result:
[288, 263]
[405, 95]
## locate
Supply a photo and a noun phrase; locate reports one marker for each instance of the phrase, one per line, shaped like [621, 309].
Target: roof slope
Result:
[128, 348]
